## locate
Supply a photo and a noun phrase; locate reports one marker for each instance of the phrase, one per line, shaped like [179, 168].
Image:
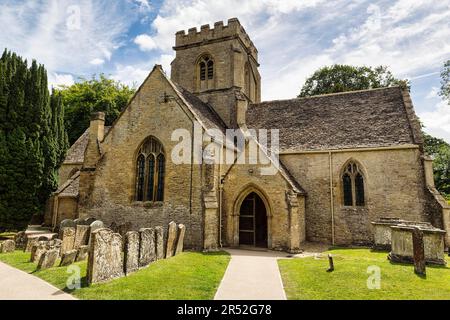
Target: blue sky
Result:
[125, 38]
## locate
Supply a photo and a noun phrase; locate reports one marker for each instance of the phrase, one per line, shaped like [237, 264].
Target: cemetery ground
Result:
[307, 278]
[187, 276]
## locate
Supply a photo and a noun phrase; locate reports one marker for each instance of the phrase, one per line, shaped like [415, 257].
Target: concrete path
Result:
[18, 285]
[252, 275]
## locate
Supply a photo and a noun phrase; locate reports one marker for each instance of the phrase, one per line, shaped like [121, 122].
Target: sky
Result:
[125, 38]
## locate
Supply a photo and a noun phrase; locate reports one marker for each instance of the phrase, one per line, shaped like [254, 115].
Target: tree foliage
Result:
[342, 78]
[87, 96]
[440, 151]
[33, 140]
[445, 81]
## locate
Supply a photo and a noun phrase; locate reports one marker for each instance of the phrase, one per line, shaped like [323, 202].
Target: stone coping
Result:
[424, 229]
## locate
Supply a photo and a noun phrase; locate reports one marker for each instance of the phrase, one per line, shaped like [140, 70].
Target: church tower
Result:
[220, 66]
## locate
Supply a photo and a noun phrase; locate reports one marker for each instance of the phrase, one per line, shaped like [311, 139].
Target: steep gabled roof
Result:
[75, 155]
[368, 118]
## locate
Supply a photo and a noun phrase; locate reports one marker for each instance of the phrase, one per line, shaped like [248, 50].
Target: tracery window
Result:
[205, 72]
[353, 185]
[150, 171]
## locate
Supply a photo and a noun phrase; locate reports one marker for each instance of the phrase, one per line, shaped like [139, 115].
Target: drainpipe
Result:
[220, 196]
[330, 158]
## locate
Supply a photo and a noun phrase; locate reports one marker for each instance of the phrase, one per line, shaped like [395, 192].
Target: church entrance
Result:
[253, 222]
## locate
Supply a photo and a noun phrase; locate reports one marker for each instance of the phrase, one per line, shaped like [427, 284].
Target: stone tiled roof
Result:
[368, 118]
[75, 154]
[70, 187]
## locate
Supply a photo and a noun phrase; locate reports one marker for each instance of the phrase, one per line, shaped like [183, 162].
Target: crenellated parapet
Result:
[220, 32]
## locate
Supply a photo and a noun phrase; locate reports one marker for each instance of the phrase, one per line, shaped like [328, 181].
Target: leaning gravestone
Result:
[7, 246]
[171, 239]
[81, 236]
[159, 236]
[105, 257]
[147, 252]
[67, 223]
[82, 254]
[180, 240]
[131, 253]
[38, 250]
[20, 239]
[48, 259]
[68, 258]
[31, 241]
[68, 239]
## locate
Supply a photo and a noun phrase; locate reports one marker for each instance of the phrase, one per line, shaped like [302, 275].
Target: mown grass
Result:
[188, 276]
[307, 278]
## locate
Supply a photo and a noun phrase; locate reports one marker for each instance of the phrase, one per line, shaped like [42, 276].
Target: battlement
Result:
[220, 31]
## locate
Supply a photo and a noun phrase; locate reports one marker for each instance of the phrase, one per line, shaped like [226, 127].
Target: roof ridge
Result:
[327, 94]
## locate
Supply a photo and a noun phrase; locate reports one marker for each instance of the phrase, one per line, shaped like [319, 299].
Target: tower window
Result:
[205, 72]
[353, 185]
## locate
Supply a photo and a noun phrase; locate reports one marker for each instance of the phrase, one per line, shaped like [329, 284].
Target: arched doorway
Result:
[253, 222]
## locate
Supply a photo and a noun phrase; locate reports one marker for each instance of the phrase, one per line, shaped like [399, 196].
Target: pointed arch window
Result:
[353, 185]
[206, 72]
[150, 171]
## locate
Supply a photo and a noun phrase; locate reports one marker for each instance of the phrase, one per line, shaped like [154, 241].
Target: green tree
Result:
[342, 78]
[32, 141]
[440, 151]
[445, 81]
[87, 96]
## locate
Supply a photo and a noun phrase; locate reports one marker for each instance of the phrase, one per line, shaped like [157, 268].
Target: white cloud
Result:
[132, 76]
[56, 79]
[145, 42]
[437, 121]
[97, 61]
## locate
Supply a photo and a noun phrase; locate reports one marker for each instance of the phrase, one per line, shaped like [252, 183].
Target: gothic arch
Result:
[205, 72]
[353, 184]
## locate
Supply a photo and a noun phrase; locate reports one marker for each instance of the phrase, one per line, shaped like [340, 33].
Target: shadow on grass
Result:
[83, 284]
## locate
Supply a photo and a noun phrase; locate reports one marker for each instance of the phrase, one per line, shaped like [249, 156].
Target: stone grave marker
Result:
[81, 236]
[7, 246]
[68, 258]
[68, 239]
[147, 248]
[82, 254]
[131, 253]
[171, 239]
[180, 239]
[48, 259]
[159, 237]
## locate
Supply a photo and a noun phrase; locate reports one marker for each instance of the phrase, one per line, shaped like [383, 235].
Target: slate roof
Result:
[75, 155]
[368, 118]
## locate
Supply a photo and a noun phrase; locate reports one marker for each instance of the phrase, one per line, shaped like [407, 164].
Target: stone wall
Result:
[111, 197]
[394, 187]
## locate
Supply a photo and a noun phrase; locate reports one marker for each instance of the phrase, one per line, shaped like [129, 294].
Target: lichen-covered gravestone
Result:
[105, 257]
[147, 247]
[180, 240]
[171, 239]
[68, 258]
[82, 254]
[68, 239]
[81, 236]
[159, 236]
[131, 253]
[20, 239]
[48, 259]
[67, 223]
[79, 221]
[38, 250]
[7, 246]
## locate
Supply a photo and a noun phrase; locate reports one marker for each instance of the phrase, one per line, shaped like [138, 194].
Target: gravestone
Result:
[7, 246]
[105, 257]
[89, 221]
[171, 239]
[131, 253]
[82, 254]
[37, 251]
[31, 241]
[418, 251]
[67, 223]
[54, 244]
[79, 222]
[68, 258]
[97, 224]
[81, 236]
[21, 240]
[48, 259]
[68, 239]
[147, 248]
[180, 239]
[159, 237]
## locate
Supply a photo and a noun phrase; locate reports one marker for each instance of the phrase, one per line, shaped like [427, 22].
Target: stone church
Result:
[345, 159]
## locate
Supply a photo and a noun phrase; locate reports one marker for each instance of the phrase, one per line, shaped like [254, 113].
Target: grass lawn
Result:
[190, 275]
[307, 279]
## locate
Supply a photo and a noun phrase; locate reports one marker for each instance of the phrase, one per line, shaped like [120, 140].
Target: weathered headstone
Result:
[419, 251]
[21, 239]
[97, 224]
[159, 237]
[7, 246]
[180, 239]
[68, 258]
[48, 259]
[89, 221]
[171, 239]
[105, 257]
[82, 254]
[67, 223]
[54, 244]
[31, 241]
[38, 250]
[68, 239]
[81, 236]
[79, 221]
[147, 247]
[124, 228]
[131, 253]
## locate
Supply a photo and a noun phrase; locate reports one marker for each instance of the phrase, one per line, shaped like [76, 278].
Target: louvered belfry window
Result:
[206, 66]
[353, 186]
[150, 171]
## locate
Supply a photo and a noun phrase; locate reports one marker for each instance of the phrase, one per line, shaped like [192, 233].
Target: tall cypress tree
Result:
[33, 141]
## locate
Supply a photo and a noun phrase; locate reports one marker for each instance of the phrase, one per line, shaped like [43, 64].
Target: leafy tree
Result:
[342, 78]
[440, 151]
[33, 141]
[445, 81]
[87, 96]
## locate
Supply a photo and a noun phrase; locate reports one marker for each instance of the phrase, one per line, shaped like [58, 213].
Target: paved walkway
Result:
[252, 275]
[18, 285]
